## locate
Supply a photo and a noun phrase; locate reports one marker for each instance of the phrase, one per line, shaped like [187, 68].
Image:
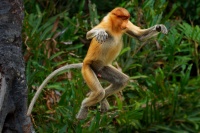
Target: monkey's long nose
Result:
[123, 26]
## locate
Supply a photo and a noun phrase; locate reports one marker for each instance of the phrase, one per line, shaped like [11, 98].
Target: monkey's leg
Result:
[97, 92]
[118, 81]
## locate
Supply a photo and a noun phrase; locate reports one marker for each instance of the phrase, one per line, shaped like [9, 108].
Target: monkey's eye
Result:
[124, 17]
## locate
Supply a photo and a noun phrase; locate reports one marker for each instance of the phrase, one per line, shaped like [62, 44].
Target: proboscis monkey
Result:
[105, 46]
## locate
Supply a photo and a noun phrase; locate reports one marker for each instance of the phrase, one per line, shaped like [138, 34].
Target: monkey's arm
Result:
[99, 33]
[144, 34]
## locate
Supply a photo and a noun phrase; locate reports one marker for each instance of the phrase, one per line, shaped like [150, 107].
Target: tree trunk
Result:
[13, 88]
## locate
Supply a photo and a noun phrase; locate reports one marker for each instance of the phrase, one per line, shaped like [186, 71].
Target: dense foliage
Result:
[163, 94]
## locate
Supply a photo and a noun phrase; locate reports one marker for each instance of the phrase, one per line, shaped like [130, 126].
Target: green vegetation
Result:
[163, 94]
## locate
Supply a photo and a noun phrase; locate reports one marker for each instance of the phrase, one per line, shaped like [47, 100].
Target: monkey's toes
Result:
[104, 106]
[82, 114]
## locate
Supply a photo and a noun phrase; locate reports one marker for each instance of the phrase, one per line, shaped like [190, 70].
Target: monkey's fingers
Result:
[101, 36]
[161, 28]
[99, 40]
[164, 30]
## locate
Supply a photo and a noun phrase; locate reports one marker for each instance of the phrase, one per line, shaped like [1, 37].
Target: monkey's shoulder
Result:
[112, 38]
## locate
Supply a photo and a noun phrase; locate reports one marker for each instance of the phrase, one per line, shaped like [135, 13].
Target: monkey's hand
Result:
[101, 36]
[161, 28]
[99, 33]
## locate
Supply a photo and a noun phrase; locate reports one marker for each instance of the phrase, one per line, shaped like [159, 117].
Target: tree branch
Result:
[2, 92]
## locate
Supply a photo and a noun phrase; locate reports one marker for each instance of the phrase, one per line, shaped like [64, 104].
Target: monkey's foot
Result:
[104, 106]
[82, 114]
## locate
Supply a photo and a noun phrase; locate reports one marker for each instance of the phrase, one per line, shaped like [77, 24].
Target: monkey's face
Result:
[124, 24]
[120, 23]
[120, 17]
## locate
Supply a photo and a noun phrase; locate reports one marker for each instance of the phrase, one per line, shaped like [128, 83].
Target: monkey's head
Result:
[119, 17]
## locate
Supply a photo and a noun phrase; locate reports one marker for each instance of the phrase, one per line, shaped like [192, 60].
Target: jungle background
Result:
[164, 91]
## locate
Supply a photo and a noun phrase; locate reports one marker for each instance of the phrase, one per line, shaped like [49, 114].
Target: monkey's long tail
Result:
[54, 73]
